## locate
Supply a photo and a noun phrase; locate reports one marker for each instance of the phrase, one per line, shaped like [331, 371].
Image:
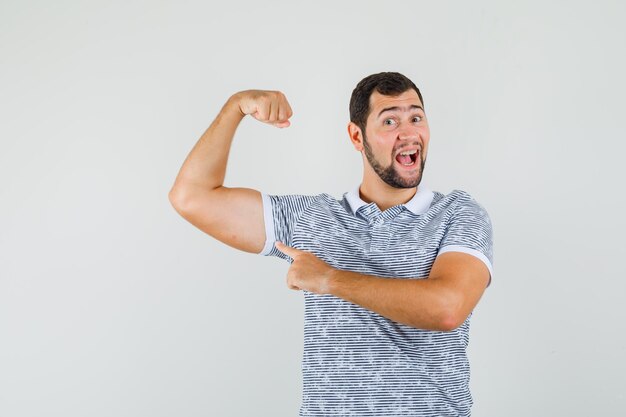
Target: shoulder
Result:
[297, 199]
[457, 200]
[297, 203]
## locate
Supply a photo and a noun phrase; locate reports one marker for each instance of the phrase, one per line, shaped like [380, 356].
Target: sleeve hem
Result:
[268, 218]
[470, 251]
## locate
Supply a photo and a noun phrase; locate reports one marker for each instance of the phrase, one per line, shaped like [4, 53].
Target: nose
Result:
[408, 132]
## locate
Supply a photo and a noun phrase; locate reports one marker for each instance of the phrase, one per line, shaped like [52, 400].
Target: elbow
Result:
[183, 202]
[450, 322]
[451, 316]
[186, 196]
[182, 197]
[177, 200]
[446, 318]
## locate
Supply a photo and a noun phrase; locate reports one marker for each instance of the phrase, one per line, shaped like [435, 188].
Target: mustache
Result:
[402, 148]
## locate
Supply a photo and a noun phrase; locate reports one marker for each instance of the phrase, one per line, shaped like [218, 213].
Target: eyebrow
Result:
[413, 106]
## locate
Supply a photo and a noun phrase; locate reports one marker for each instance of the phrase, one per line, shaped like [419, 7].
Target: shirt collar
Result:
[419, 204]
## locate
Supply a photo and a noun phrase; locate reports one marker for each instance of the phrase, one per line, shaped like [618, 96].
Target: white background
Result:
[111, 304]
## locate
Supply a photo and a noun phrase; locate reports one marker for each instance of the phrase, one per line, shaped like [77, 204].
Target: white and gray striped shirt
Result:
[357, 362]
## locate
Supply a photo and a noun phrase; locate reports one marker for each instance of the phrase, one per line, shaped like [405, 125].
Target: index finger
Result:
[287, 250]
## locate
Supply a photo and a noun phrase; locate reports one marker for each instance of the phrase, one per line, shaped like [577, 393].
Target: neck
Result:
[385, 196]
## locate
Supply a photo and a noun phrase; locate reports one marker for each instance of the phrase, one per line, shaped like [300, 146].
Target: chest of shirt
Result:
[403, 247]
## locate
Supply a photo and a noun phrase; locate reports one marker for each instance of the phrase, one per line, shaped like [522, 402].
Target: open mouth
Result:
[407, 158]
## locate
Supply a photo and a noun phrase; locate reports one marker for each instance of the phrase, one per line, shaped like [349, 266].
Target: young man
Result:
[390, 273]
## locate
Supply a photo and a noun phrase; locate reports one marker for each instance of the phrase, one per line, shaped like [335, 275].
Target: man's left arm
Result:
[441, 302]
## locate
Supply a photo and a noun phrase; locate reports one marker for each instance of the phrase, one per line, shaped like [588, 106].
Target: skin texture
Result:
[235, 215]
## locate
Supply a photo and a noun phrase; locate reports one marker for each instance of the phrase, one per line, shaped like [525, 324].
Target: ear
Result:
[356, 136]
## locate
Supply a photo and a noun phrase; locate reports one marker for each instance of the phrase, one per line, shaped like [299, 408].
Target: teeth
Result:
[409, 152]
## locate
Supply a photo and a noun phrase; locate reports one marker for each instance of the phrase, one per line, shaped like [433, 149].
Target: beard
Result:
[389, 174]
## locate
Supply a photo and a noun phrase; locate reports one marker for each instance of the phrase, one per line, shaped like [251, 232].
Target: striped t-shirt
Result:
[357, 362]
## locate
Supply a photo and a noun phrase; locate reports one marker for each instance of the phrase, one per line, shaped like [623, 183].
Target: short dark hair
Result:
[386, 83]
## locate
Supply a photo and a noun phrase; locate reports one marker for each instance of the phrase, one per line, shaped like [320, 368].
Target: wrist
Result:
[332, 282]
[232, 106]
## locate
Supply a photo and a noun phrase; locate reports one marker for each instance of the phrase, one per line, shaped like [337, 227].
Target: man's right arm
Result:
[231, 215]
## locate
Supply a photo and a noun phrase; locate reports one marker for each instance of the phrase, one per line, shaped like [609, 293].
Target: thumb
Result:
[281, 125]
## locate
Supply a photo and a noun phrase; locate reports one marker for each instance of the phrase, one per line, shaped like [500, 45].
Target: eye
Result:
[389, 122]
[417, 119]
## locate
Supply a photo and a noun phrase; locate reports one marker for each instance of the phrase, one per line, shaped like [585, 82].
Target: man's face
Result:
[395, 125]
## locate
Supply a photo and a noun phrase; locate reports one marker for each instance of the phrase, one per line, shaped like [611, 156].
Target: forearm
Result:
[205, 166]
[421, 303]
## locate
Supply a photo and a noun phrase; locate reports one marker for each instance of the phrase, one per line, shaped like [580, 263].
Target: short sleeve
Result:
[281, 214]
[470, 231]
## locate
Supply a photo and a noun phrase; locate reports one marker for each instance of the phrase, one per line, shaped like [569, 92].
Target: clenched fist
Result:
[266, 106]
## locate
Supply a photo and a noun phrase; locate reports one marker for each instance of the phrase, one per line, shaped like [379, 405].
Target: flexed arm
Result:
[231, 215]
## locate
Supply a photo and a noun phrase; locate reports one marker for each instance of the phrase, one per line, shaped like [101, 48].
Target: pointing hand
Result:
[307, 271]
